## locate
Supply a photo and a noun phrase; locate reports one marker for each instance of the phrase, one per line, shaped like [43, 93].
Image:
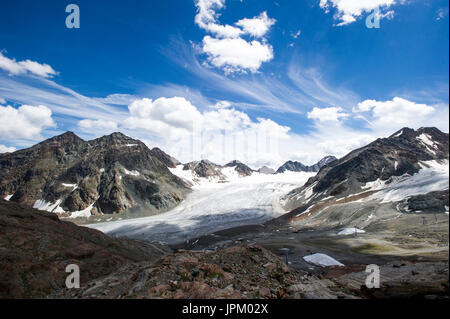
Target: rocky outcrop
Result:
[433, 203]
[205, 169]
[36, 247]
[236, 272]
[113, 174]
[299, 167]
[242, 169]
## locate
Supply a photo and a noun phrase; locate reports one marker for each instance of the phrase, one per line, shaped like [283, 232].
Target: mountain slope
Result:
[371, 168]
[36, 247]
[113, 174]
[165, 158]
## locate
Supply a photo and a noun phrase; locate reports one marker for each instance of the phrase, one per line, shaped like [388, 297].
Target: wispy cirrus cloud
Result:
[58, 98]
[296, 89]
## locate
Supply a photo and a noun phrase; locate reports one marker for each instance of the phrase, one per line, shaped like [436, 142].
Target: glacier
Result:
[212, 206]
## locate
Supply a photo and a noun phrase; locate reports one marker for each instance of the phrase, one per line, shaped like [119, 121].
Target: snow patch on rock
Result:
[73, 186]
[46, 206]
[351, 231]
[426, 140]
[322, 260]
[83, 213]
[132, 173]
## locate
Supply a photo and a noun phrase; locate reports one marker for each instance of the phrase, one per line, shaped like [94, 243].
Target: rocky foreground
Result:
[233, 273]
[36, 247]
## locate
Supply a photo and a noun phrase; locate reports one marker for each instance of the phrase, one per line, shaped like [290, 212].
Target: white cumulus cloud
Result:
[348, 11]
[333, 114]
[220, 135]
[227, 48]
[24, 122]
[236, 54]
[399, 112]
[24, 67]
[257, 26]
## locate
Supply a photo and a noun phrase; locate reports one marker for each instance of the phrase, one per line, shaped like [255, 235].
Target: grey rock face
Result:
[115, 173]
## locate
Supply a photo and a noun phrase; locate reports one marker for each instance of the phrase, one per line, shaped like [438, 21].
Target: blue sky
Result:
[260, 81]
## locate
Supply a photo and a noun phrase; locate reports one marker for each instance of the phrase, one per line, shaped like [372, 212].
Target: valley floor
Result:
[412, 256]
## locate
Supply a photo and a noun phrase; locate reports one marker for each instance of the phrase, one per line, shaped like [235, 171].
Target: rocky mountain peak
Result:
[240, 167]
[292, 166]
[326, 160]
[266, 170]
[233, 163]
[116, 138]
[204, 168]
[67, 138]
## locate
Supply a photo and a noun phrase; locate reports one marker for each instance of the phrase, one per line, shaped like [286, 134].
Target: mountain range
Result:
[299, 167]
[385, 203]
[117, 175]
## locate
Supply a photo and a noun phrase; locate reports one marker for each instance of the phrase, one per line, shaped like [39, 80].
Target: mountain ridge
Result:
[295, 166]
[401, 153]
